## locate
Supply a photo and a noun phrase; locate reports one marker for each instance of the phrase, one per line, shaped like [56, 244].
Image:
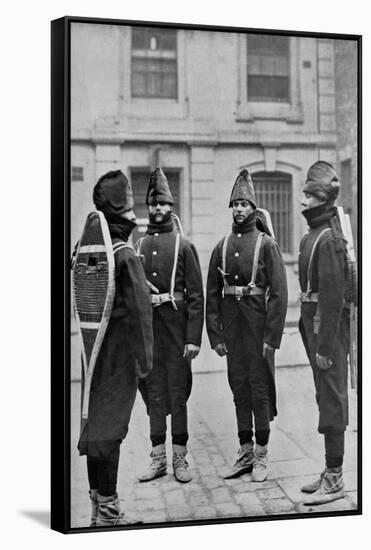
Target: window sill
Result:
[153, 108]
[259, 110]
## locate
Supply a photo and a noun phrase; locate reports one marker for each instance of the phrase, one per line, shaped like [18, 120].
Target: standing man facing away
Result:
[324, 322]
[127, 341]
[245, 317]
[172, 269]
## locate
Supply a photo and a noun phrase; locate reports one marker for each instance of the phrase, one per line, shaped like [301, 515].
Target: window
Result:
[154, 63]
[77, 173]
[273, 192]
[268, 64]
[139, 178]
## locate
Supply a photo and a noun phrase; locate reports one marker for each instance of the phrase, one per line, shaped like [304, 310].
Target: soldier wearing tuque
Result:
[173, 272]
[245, 315]
[324, 322]
[125, 354]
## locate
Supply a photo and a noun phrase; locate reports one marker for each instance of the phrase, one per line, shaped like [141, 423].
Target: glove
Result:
[191, 351]
[221, 349]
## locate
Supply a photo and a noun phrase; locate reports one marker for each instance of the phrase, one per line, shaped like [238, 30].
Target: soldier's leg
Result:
[102, 473]
[178, 378]
[261, 404]
[156, 384]
[333, 419]
[237, 369]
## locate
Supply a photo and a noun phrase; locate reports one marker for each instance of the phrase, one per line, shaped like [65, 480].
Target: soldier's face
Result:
[159, 210]
[310, 201]
[129, 215]
[241, 209]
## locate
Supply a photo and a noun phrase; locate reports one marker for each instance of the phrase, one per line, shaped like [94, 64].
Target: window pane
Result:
[162, 39]
[268, 88]
[154, 63]
[268, 68]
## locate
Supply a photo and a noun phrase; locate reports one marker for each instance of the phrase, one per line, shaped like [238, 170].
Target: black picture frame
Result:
[60, 270]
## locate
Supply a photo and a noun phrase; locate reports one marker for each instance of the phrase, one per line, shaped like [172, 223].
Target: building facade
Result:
[202, 105]
[346, 82]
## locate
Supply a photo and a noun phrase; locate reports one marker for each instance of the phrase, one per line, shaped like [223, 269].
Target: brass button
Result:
[236, 254]
[154, 274]
[156, 234]
[236, 277]
[154, 252]
[239, 235]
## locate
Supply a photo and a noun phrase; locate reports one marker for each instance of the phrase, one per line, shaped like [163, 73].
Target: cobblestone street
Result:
[295, 453]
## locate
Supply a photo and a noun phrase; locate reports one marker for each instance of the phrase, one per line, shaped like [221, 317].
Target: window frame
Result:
[291, 111]
[159, 56]
[147, 107]
[269, 54]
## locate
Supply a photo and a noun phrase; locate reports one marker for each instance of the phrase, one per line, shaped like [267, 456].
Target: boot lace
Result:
[179, 461]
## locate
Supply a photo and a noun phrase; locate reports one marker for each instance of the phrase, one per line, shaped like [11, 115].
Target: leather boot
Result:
[180, 465]
[110, 514]
[260, 467]
[313, 487]
[244, 462]
[94, 507]
[158, 466]
[331, 488]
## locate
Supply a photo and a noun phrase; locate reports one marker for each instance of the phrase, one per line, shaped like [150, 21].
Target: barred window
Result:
[268, 62]
[154, 63]
[139, 178]
[273, 192]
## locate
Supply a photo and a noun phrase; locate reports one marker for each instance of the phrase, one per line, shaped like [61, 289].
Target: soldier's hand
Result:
[323, 362]
[191, 351]
[268, 351]
[221, 349]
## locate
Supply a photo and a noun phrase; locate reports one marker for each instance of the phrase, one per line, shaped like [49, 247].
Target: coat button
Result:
[156, 234]
[236, 277]
[154, 274]
[236, 254]
[154, 252]
[239, 235]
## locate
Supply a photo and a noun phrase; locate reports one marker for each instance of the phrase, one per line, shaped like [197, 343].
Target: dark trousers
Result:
[331, 385]
[248, 378]
[102, 473]
[168, 383]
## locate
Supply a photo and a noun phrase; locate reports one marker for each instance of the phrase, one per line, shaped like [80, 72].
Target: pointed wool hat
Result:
[158, 189]
[243, 189]
[113, 193]
[322, 181]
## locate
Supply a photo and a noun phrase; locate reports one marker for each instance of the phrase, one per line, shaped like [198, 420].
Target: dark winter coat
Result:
[245, 323]
[173, 328]
[330, 314]
[128, 341]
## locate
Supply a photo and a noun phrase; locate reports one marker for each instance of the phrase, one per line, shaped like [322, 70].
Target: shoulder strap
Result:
[176, 254]
[309, 271]
[138, 246]
[224, 252]
[120, 245]
[256, 259]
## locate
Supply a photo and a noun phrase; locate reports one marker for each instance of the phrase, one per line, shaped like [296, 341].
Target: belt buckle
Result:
[156, 300]
[239, 291]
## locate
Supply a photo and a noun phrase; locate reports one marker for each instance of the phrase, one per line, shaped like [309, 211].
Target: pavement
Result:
[296, 456]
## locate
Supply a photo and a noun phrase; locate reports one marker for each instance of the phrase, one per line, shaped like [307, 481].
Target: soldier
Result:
[324, 322]
[172, 269]
[245, 315]
[128, 339]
